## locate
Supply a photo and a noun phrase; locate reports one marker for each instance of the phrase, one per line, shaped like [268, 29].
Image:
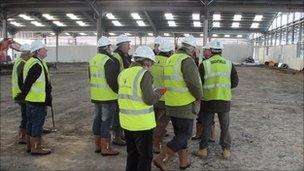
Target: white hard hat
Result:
[215, 44]
[36, 45]
[166, 46]
[207, 46]
[190, 40]
[158, 40]
[144, 52]
[25, 47]
[103, 41]
[122, 38]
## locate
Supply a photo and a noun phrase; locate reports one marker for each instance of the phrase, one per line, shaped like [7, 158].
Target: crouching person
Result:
[136, 98]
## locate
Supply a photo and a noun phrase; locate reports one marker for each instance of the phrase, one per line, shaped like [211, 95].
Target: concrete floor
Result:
[266, 126]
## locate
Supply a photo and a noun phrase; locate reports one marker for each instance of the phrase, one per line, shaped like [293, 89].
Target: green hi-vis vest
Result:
[217, 84]
[99, 88]
[119, 58]
[178, 93]
[134, 115]
[15, 86]
[158, 72]
[37, 92]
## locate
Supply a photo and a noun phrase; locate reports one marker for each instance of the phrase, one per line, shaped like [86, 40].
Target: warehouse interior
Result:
[263, 38]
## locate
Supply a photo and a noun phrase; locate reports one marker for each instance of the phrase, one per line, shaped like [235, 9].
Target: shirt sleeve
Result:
[150, 97]
[192, 78]
[234, 77]
[31, 77]
[111, 73]
[20, 74]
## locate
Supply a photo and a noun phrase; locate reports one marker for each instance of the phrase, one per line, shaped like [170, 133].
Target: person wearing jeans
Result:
[103, 72]
[36, 92]
[218, 77]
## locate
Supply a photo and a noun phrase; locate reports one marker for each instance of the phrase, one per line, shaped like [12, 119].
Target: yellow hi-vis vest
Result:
[158, 72]
[119, 58]
[37, 92]
[134, 115]
[99, 88]
[217, 84]
[178, 93]
[15, 86]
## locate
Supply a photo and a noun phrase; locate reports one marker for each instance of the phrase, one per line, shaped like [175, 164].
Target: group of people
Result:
[136, 96]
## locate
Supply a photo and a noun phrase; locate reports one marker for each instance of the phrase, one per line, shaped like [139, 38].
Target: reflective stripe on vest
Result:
[15, 86]
[37, 92]
[217, 84]
[99, 88]
[134, 114]
[157, 71]
[178, 93]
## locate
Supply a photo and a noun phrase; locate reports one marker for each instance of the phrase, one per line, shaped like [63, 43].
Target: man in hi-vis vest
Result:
[136, 98]
[17, 83]
[36, 91]
[166, 48]
[184, 86]
[104, 70]
[218, 78]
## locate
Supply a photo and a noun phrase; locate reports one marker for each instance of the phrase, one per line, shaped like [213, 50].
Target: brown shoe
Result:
[156, 147]
[184, 161]
[161, 160]
[199, 131]
[36, 148]
[97, 144]
[117, 140]
[106, 149]
[28, 143]
[22, 139]
[226, 153]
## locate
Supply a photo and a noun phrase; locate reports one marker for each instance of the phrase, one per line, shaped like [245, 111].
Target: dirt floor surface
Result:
[266, 124]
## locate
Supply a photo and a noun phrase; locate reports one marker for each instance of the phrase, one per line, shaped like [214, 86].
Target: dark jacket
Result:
[218, 106]
[32, 76]
[193, 82]
[126, 58]
[111, 74]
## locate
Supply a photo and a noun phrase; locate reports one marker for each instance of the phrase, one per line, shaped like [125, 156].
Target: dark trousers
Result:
[207, 121]
[23, 116]
[139, 149]
[35, 119]
[182, 133]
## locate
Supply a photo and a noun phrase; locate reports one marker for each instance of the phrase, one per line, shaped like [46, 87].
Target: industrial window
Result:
[300, 50]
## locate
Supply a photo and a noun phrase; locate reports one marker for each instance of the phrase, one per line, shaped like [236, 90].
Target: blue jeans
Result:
[35, 119]
[182, 133]
[104, 113]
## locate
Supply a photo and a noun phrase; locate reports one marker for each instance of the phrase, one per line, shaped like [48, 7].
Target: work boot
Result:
[184, 161]
[202, 153]
[106, 148]
[28, 143]
[36, 148]
[46, 131]
[156, 146]
[161, 160]
[22, 138]
[117, 140]
[226, 153]
[199, 131]
[97, 144]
